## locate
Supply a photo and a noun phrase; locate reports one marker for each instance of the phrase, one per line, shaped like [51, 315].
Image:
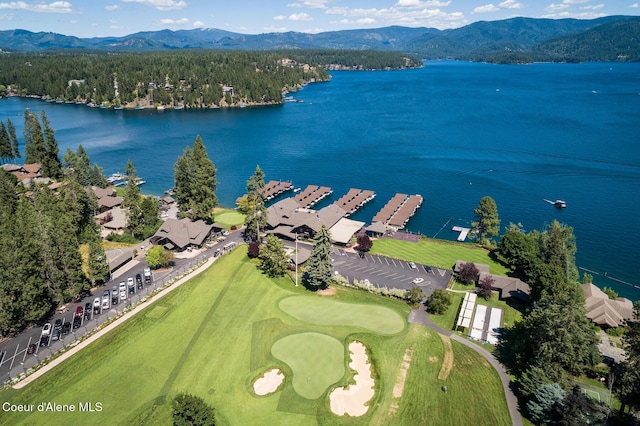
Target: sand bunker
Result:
[351, 400]
[269, 382]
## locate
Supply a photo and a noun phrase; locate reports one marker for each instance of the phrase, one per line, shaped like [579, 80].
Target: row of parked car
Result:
[52, 333]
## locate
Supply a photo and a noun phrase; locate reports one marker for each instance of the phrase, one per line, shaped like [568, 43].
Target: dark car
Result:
[427, 268]
[77, 322]
[66, 327]
[58, 324]
[44, 341]
[139, 281]
[114, 295]
[32, 349]
[79, 311]
[55, 335]
[96, 306]
[87, 311]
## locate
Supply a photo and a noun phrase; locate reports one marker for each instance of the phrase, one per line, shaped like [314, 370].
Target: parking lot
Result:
[383, 271]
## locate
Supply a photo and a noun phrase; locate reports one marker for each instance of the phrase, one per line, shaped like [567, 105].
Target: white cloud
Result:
[555, 7]
[411, 17]
[182, 21]
[419, 3]
[300, 17]
[198, 24]
[279, 18]
[311, 4]
[162, 5]
[312, 30]
[54, 7]
[111, 8]
[575, 1]
[487, 8]
[593, 7]
[510, 4]
[635, 5]
[275, 29]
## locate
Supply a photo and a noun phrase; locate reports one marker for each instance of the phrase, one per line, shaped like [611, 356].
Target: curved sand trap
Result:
[269, 382]
[351, 400]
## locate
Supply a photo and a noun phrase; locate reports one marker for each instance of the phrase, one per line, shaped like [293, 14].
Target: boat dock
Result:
[463, 232]
[354, 199]
[399, 210]
[272, 189]
[311, 195]
[276, 187]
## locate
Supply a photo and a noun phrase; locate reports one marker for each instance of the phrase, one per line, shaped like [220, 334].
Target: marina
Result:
[273, 189]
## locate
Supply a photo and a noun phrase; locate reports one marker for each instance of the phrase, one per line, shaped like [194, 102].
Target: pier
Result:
[311, 195]
[354, 199]
[397, 212]
[463, 232]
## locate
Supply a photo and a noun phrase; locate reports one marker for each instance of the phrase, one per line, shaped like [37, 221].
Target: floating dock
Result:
[397, 212]
[311, 195]
[354, 199]
[463, 232]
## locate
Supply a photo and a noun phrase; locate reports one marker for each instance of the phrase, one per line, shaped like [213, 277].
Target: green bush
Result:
[439, 302]
[124, 238]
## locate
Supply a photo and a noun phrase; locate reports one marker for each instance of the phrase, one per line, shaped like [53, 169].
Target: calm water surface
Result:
[452, 132]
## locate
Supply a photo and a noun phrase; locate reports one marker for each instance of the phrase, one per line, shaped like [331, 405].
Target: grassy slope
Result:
[199, 339]
[439, 253]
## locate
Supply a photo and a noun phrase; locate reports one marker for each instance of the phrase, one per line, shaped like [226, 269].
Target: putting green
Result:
[229, 218]
[316, 360]
[323, 311]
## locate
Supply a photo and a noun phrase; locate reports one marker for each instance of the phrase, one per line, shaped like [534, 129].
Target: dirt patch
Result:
[269, 382]
[402, 376]
[447, 363]
[433, 359]
[327, 291]
[352, 399]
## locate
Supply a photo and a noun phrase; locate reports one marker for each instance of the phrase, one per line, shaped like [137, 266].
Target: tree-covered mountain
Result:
[612, 38]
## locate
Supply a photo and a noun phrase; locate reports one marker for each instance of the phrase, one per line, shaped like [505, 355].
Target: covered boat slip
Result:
[311, 195]
[272, 189]
[397, 212]
[354, 199]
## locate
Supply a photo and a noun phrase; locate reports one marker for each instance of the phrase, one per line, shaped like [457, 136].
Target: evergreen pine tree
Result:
[5, 144]
[51, 167]
[98, 268]
[252, 205]
[15, 147]
[132, 200]
[487, 222]
[320, 265]
[33, 139]
[195, 183]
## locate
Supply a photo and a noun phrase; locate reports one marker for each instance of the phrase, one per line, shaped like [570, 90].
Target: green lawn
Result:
[213, 336]
[439, 253]
[229, 218]
[321, 311]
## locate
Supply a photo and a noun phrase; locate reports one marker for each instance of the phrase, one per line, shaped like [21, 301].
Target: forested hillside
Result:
[190, 79]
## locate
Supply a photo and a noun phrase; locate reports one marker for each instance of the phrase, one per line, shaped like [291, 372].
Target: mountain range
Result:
[512, 40]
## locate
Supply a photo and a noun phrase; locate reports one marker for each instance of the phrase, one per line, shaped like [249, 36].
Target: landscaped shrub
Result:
[439, 302]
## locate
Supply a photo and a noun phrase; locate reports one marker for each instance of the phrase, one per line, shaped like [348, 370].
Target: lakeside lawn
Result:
[439, 253]
[217, 333]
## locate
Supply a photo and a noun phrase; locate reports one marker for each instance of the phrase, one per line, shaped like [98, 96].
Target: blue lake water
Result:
[452, 132]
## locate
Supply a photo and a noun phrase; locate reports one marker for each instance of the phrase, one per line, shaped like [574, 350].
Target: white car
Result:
[123, 295]
[418, 280]
[46, 330]
[122, 286]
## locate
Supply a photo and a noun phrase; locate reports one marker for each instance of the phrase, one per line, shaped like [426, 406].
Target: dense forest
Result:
[190, 79]
[42, 227]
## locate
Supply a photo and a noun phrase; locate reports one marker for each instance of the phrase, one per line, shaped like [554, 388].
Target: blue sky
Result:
[89, 18]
